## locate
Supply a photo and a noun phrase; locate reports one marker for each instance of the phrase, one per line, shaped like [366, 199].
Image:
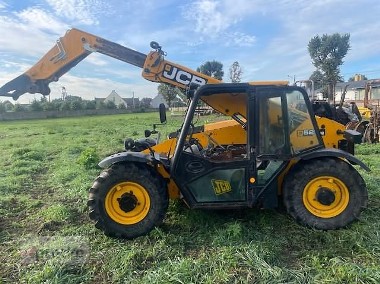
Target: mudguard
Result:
[128, 156]
[334, 153]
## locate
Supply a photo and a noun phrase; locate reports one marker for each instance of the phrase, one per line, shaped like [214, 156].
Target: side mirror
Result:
[162, 110]
[147, 133]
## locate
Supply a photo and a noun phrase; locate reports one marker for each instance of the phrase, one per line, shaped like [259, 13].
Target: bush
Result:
[19, 108]
[47, 106]
[100, 105]
[76, 105]
[88, 158]
[90, 105]
[110, 105]
[65, 105]
[36, 106]
[121, 106]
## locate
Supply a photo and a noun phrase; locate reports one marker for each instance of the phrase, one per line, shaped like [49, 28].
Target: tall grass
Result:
[46, 236]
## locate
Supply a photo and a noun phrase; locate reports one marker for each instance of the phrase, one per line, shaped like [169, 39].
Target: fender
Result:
[128, 156]
[334, 153]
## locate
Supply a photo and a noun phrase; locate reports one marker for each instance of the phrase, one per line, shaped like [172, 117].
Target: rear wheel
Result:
[127, 201]
[324, 194]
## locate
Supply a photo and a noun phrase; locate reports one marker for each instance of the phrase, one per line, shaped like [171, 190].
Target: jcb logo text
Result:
[181, 76]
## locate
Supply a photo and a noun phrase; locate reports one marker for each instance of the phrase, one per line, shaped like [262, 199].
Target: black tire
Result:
[128, 200]
[324, 193]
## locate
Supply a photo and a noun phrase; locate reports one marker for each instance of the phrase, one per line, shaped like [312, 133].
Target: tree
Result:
[110, 105]
[145, 102]
[169, 92]
[320, 83]
[89, 104]
[2, 107]
[213, 69]
[100, 105]
[121, 106]
[327, 53]
[65, 105]
[73, 98]
[76, 105]
[17, 108]
[235, 72]
[48, 106]
[56, 104]
[36, 106]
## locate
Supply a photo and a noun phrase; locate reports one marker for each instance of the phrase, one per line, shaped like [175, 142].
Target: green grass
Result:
[46, 236]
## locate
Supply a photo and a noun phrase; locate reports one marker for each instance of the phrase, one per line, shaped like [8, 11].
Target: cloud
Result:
[213, 17]
[38, 19]
[216, 19]
[239, 39]
[207, 17]
[3, 5]
[9, 65]
[96, 59]
[80, 11]
[21, 31]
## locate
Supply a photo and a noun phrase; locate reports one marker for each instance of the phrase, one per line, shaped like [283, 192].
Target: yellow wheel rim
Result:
[335, 192]
[127, 203]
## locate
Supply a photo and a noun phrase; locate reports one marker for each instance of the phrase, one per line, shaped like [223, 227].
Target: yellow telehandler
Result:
[272, 148]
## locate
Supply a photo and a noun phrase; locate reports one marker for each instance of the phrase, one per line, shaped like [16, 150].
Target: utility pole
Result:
[64, 93]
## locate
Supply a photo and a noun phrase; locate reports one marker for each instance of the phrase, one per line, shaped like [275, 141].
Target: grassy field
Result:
[46, 236]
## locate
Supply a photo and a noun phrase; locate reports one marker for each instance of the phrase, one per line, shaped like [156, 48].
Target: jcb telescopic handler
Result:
[272, 149]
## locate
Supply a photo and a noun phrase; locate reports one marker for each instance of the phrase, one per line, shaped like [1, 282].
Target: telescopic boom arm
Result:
[76, 45]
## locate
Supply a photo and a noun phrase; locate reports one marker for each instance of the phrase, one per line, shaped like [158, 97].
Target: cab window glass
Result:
[301, 128]
[272, 136]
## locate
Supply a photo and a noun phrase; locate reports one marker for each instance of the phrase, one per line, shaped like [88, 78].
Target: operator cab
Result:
[238, 163]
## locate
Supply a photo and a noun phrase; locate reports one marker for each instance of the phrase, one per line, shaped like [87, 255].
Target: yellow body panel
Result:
[228, 104]
[365, 113]
[173, 189]
[263, 83]
[300, 141]
[227, 132]
[333, 131]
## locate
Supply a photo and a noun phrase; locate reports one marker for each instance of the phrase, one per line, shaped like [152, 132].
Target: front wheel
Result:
[127, 201]
[324, 194]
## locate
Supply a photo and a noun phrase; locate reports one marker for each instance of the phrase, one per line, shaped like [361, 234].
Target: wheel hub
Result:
[325, 196]
[127, 202]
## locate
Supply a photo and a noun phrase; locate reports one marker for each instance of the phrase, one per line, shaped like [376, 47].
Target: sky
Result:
[268, 38]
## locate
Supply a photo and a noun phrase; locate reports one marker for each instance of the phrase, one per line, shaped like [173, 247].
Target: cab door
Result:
[216, 174]
[283, 129]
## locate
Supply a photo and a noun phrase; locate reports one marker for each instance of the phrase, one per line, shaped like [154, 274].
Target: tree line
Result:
[69, 103]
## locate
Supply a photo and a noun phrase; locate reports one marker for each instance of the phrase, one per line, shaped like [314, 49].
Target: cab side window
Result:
[271, 123]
